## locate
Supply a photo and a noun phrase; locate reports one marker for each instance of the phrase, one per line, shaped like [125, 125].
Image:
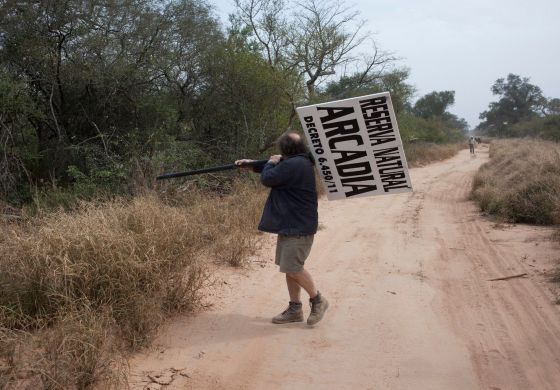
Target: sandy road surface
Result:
[411, 304]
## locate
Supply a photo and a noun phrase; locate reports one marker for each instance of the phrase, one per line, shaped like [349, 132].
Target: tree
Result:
[88, 67]
[309, 37]
[519, 101]
[243, 107]
[16, 109]
[266, 20]
[552, 107]
[358, 84]
[429, 121]
[315, 38]
[322, 39]
[190, 43]
[434, 104]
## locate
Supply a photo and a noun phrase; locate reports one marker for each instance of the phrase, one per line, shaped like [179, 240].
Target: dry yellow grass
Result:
[227, 223]
[521, 183]
[420, 154]
[78, 350]
[76, 289]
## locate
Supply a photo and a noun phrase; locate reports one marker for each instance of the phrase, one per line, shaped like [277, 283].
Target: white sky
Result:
[464, 46]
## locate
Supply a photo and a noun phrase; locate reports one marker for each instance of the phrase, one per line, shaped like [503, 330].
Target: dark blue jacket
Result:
[291, 207]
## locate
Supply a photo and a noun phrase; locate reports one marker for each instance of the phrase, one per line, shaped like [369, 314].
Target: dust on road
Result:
[412, 306]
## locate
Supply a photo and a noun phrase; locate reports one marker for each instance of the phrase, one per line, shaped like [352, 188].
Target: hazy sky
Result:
[464, 46]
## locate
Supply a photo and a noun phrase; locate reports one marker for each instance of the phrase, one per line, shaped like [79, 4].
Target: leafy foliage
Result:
[117, 91]
[434, 104]
[519, 111]
[435, 129]
[358, 84]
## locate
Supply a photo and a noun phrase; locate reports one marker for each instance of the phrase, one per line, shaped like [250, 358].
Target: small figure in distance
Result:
[472, 143]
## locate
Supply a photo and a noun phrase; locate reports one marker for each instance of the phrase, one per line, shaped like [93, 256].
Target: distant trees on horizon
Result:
[521, 110]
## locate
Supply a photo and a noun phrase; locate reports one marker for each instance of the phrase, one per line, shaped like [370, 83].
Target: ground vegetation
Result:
[521, 183]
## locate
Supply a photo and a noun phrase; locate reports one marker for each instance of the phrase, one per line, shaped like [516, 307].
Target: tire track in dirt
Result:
[512, 333]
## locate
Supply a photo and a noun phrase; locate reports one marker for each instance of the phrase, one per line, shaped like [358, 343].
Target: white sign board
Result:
[357, 146]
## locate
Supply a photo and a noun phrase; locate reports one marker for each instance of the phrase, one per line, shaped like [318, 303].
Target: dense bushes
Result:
[105, 94]
[435, 129]
[547, 127]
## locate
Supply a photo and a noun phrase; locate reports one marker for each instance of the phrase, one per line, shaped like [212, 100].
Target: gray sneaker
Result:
[293, 313]
[319, 306]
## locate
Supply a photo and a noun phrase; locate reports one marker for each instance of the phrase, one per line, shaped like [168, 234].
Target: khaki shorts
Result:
[291, 252]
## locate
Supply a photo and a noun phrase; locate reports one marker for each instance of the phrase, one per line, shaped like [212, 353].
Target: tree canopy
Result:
[520, 110]
[518, 100]
[434, 104]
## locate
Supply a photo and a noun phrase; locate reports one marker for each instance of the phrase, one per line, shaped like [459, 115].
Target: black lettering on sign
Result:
[339, 127]
[379, 133]
[374, 112]
[352, 170]
[392, 176]
[374, 123]
[342, 129]
[378, 139]
[334, 113]
[313, 135]
[393, 185]
[353, 137]
[382, 152]
[382, 160]
[390, 169]
[380, 127]
[397, 165]
[348, 155]
[374, 102]
[378, 120]
[356, 187]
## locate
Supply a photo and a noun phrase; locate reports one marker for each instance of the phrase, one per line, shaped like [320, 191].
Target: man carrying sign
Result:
[291, 213]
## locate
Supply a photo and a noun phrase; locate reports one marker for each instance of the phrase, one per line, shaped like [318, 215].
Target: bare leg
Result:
[304, 280]
[294, 289]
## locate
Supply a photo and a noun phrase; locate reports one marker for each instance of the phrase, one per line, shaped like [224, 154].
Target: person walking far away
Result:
[472, 143]
[291, 212]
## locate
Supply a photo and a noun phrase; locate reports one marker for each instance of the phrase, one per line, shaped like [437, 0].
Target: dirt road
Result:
[412, 306]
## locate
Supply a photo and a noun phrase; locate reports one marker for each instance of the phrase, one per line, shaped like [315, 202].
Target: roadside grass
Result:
[521, 183]
[80, 289]
[420, 154]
